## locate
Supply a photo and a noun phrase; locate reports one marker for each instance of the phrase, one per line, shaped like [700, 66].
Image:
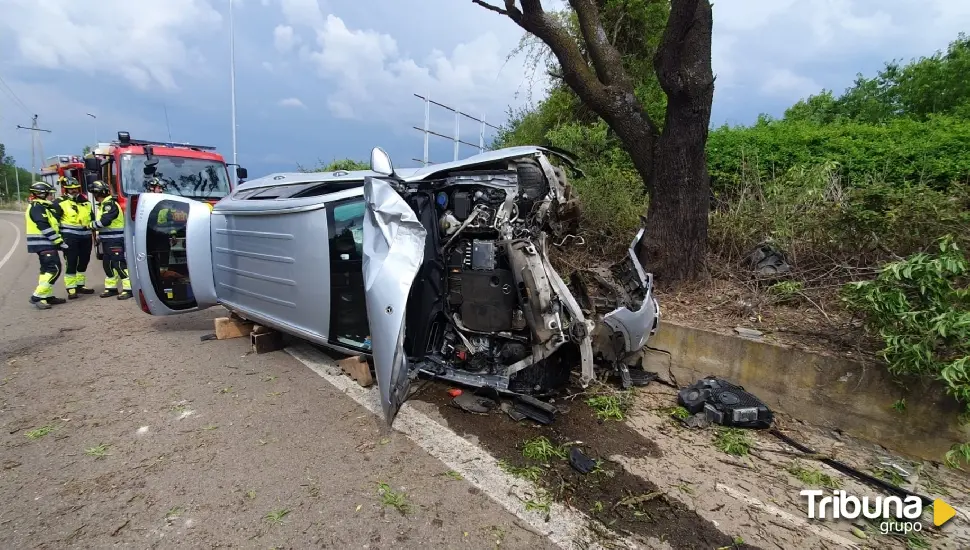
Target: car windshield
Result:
[186, 177]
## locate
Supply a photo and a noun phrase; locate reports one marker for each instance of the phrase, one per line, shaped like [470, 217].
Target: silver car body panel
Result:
[394, 241]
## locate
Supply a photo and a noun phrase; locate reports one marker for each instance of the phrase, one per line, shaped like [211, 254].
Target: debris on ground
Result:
[474, 403]
[725, 403]
[580, 462]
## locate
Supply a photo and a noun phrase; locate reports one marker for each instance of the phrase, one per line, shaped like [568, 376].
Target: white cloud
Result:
[369, 75]
[284, 39]
[788, 49]
[303, 12]
[143, 42]
[786, 84]
[292, 102]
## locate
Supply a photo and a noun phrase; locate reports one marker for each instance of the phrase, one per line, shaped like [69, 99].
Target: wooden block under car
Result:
[265, 340]
[229, 327]
[358, 369]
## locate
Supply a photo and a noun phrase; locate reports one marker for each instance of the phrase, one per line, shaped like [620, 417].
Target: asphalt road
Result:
[122, 429]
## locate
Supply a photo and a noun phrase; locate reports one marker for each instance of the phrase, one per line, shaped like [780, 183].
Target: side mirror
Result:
[380, 162]
[92, 164]
[241, 173]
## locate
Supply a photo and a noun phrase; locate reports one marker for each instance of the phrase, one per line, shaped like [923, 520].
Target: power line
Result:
[9, 91]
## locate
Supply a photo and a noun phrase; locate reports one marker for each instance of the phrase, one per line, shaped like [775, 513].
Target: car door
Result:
[393, 250]
[168, 246]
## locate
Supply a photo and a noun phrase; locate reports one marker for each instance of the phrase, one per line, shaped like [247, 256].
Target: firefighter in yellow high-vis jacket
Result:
[44, 239]
[75, 227]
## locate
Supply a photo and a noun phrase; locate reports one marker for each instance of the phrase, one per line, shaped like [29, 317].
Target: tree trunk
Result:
[674, 245]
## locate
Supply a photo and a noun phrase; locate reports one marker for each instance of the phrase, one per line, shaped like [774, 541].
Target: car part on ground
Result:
[725, 403]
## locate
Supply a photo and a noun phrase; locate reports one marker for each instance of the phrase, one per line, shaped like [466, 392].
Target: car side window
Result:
[347, 239]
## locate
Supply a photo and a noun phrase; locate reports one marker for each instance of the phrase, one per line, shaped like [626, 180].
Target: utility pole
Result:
[34, 141]
[16, 174]
[232, 79]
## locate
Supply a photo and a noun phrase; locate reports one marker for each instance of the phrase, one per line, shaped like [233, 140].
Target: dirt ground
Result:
[125, 430]
[661, 479]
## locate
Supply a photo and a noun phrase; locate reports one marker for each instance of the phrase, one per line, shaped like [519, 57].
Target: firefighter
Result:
[109, 222]
[44, 239]
[75, 221]
[162, 245]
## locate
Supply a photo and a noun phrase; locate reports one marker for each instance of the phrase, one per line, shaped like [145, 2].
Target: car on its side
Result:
[441, 271]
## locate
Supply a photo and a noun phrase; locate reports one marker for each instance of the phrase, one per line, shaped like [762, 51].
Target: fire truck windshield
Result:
[186, 177]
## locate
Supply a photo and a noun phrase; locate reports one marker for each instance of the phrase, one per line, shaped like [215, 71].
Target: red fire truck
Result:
[69, 166]
[187, 170]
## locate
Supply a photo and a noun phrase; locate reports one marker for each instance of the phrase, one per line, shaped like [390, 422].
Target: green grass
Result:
[733, 441]
[611, 406]
[39, 432]
[174, 512]
[889, 474]
[529, 473]
[539, 503]
[542, 450]
[276, 516]
[676, 412]
[98, 452]
[813, 477]
[392, 498]
[454, 475]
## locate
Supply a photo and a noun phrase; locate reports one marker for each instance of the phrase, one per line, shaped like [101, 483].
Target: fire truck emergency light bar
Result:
[125, 139]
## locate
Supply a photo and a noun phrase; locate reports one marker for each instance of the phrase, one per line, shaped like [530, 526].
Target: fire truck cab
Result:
[192, 171]
[69, 166]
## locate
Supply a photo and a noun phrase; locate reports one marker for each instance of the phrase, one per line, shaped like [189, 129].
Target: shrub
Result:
[920, 307]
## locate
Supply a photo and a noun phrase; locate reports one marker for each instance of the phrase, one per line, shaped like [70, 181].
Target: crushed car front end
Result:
[460, 287]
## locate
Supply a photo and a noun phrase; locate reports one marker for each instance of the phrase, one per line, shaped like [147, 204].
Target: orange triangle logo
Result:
[942, 512]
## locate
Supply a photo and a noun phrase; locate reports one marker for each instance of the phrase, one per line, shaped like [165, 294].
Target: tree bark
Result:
[674, 246]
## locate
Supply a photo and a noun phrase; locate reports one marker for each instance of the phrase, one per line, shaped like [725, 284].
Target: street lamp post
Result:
[95, 128]
[232, 80]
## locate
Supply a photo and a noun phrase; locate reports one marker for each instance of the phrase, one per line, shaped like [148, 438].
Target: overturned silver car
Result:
[441, 271]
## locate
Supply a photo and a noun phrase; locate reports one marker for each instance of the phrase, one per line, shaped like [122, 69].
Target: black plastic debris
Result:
[207, 337]
[580, 462]
[725, 403]
[509, 409]
[474, 403]
[634, 377]
[541, 412]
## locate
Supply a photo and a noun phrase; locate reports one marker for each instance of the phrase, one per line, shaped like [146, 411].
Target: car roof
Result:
[407, 174]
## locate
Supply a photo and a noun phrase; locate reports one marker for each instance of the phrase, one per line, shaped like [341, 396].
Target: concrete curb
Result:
[829, 391]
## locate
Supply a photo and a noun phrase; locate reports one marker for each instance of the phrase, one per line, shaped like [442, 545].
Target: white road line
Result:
[567, 527]
[16, 243]
[792, 520]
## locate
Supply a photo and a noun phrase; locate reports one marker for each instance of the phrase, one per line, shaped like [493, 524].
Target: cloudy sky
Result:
[324, 79]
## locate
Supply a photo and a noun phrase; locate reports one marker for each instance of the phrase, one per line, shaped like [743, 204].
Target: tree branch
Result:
[606, 59]
[490, 7]
[672, 61]
[575, 71]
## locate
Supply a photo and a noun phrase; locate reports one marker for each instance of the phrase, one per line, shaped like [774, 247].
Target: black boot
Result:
[125, 294]
[84, 290]
[72, 294]
[109, 292]
[39, 303]
[54, 300]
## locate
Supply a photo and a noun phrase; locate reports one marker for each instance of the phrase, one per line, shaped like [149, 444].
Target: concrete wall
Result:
[827, 391]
